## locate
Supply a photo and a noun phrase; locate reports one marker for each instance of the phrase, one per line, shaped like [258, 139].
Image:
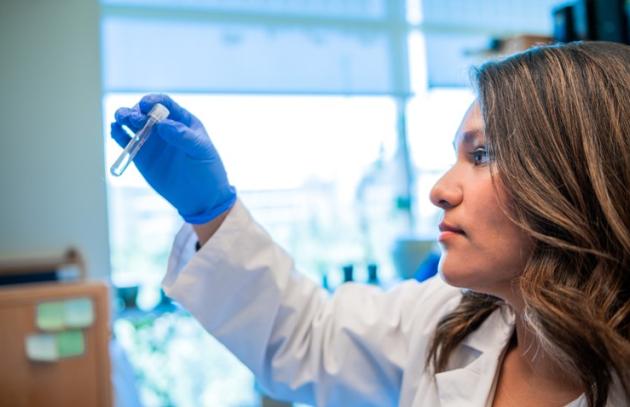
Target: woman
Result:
[533, 304]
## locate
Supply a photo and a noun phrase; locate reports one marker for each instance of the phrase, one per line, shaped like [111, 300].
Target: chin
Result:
[474, 279]
[462, 275]
[449, 272]
[455, 279]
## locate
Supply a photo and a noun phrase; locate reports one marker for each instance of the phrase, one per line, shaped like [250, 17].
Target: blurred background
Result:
[333, 118]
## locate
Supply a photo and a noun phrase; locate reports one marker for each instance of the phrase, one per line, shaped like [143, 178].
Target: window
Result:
[296, 161]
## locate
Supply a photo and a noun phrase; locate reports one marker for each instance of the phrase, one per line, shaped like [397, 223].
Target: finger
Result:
[131, 118]
[119, 135]
[176, 112]
[194, 144]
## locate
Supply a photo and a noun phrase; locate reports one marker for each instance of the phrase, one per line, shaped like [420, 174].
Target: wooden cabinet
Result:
[82, 380]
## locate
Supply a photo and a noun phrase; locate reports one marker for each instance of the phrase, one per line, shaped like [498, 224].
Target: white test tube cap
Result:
[159, 112]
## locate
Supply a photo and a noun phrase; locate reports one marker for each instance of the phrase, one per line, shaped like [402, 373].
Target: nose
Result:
[447, 192]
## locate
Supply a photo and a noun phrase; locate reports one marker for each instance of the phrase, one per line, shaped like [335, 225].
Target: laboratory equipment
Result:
[372, 269]
[348, 273]
[158, 113]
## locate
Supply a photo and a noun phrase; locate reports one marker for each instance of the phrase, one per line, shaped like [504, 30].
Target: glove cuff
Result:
[211, 213]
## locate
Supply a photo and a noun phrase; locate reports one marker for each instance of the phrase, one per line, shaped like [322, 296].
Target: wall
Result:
[52, 185]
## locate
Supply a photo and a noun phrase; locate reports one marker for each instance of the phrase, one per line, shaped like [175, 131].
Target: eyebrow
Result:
[468, 136]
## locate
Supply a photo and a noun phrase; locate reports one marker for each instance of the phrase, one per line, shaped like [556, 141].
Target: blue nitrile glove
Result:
[178, 160]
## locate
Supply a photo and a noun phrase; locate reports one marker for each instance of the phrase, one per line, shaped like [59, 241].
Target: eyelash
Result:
[474, 155]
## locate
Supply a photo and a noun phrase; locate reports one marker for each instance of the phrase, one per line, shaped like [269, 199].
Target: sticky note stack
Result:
[62, 323]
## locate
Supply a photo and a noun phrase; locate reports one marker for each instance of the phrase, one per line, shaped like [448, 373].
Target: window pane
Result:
[459, 34]
[450, 57]
[221, 57]
[179, 364]
[297, 162]
[530, 16]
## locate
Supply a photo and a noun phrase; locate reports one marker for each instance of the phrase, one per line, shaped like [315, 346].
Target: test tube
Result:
[158, 112]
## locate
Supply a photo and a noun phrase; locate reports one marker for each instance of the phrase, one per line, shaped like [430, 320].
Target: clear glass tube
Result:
[157, 113]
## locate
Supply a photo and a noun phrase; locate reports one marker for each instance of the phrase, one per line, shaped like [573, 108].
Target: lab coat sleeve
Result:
[302, 345]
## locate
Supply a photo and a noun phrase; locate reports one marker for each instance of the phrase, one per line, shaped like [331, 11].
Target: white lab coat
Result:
[360, 347]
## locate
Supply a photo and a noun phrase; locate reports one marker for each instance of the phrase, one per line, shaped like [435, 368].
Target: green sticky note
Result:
[42, 347]
[70, 343]
[78, 313]
[50, 315]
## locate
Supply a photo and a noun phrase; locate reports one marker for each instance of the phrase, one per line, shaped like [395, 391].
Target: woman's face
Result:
[482, 249]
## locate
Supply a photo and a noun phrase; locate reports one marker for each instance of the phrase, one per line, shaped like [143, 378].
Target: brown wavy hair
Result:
[557, 124]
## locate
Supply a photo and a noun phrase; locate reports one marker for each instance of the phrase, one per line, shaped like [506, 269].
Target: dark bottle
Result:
[372, 270]
[348, 273]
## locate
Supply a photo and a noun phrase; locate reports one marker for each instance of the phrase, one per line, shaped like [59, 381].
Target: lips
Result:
[445, 227]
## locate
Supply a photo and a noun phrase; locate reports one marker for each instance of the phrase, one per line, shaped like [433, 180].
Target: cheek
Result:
[493, 252]
[485, 265]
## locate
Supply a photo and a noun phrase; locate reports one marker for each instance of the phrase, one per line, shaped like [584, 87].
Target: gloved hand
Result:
[178, 160]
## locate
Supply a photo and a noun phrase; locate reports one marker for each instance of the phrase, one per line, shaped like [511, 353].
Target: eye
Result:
[479, 156]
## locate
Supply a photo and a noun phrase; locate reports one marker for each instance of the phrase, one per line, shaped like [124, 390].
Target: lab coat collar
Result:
[493, 333]
[470, 384]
